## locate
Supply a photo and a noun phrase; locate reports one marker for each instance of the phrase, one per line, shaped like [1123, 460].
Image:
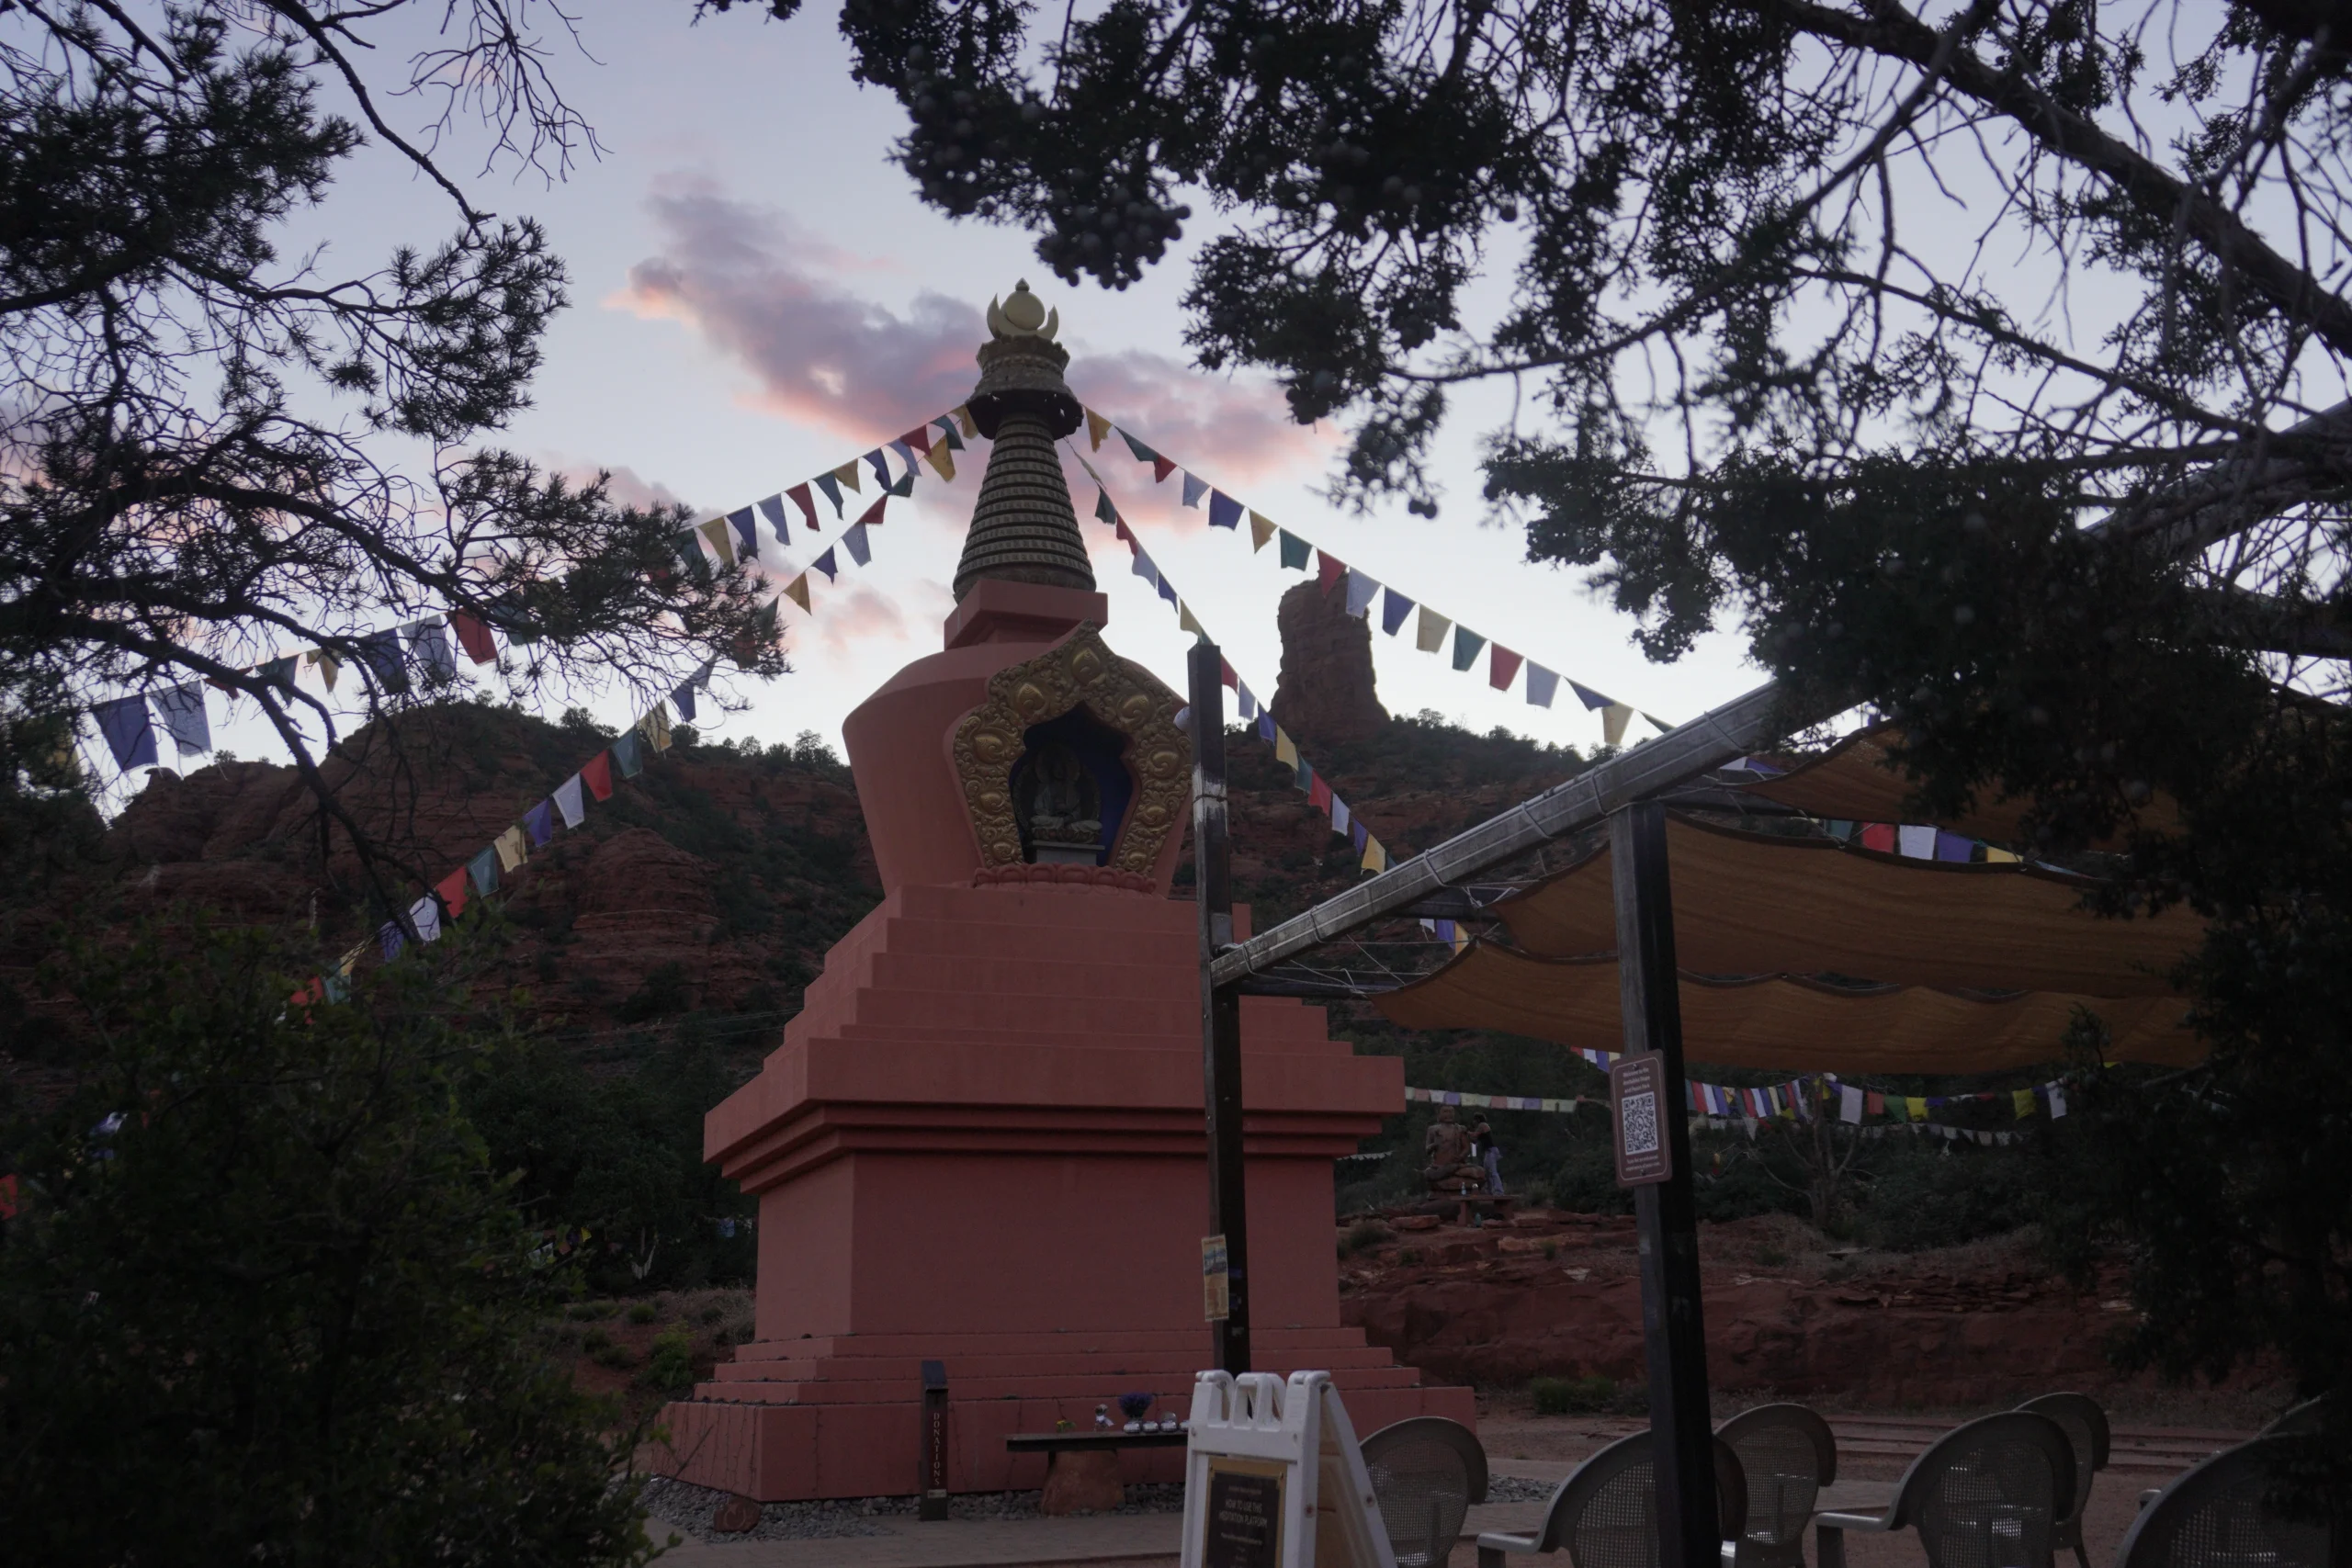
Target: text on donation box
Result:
[1639, 1103]
[1245, 1513]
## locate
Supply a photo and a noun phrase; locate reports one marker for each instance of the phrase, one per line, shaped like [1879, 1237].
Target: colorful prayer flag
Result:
[329, 666]
[772, 508]
[1262, 531]
[881, 468]
[1613, 720]
[1185, 621]
[567, 800]
[721, 545]
[1429, 633]
[1194, 489]
[540, 823]
[452, 892]
[1502, 667]
[1285, 748]
[1329, 569]
[1361, 589]
[2021, 1101]
[747, 538]
[847, 474]
[1224, 511]
[1104, 512]
[1097, 427]
[947, 436]
[184, 718]
[430, 649]
[513, 849]
[827, 564]
[473, 635]
[1375, 855]
[598, 776]
[1590, 698]
[380, 655]
[962, 415]
[942, 460]
[1295, 550]
[1466, 644]
[130, 733]
[1393, 608]
[483, 870]
[1915, 842]
[871, 516]
[1143, 454]
[855, 542]
[831, 485]
[1542, 685]
[625, 753]
[655, 726]
[425, 916]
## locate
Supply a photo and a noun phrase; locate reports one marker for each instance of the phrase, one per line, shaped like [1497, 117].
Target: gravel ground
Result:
[1518, 1489]
[691, 1509]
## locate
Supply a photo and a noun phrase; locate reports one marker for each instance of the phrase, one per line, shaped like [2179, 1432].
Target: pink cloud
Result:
[761, 290]
[624, 484]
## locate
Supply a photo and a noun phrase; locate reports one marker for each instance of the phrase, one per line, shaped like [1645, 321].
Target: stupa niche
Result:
[981, 1147]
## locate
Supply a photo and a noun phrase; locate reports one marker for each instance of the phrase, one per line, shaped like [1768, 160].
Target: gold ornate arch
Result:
[1121, 695]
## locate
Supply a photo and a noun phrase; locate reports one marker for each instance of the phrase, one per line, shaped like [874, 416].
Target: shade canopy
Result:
[1786, 1024]
[1749, 904]
[1855, 781]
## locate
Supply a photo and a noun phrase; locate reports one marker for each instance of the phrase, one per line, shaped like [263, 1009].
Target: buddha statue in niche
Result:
[1061, 814]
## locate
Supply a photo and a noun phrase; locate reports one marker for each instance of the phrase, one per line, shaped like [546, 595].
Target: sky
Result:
[759, 296]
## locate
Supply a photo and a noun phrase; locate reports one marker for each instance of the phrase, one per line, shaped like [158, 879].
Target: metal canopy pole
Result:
[1220, 1005]
[1682, 1450]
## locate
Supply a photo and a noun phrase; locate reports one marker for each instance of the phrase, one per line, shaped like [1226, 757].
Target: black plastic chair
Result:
[2216, 1514]
[1605, 1513]
[2306, 1417]
[1425, 1473]
[1787, 1455]
[2084, 1421]
[1988, 1494]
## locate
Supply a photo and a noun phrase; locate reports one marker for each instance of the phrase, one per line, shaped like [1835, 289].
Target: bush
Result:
[670, 1367]
[1364, 1235]
[285, 1307]
[1934, 1195]
[1574, 1396]
[643, 1312]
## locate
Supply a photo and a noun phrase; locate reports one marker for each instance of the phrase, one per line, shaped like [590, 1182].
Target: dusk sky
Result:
[759, 296]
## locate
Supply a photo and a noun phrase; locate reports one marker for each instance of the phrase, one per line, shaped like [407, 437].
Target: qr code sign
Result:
[1640, 1114]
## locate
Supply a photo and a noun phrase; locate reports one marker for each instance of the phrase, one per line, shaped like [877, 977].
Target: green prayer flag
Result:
[625, 754]
[1295, 550]
[1466, 644]
[1103, 510]
[1143, 453]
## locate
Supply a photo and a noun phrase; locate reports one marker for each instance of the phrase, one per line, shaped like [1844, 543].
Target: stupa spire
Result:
[1023, 527]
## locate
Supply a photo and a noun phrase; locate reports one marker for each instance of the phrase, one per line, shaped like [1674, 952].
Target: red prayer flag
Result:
[1224, 673]
[473, 636]
[871, 516]
[1873, 1103]
[798, 496]
[919, 438]
[1318, 793]
[1503, 666]
[1879, 836]
[1329, 569]
[598, 776]
[452, 889]
[7, 1197]
[1160, 468]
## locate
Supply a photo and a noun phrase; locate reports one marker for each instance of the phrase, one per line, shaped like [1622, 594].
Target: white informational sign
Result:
[1273, 1477]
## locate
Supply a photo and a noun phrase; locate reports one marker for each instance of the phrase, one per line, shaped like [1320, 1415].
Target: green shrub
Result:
[1362, 1237]
[643, 1312]
[670, 1367]
[1573, 1397]
[1931, 1195]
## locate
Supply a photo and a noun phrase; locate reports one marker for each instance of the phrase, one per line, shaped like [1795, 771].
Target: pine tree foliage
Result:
[215, 448]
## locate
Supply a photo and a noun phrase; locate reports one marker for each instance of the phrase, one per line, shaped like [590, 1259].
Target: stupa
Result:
[978, 1152]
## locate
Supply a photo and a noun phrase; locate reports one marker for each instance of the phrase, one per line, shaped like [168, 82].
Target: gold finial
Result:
[1023, 315]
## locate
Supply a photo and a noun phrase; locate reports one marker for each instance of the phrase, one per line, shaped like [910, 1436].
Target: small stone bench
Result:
[1082, 1467]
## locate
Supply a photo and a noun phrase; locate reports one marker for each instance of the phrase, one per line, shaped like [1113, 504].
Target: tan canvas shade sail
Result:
[1762, 904]
[1783, 1024]
[1852, 781]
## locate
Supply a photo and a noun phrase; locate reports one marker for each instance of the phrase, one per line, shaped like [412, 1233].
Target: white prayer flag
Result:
[569, 801]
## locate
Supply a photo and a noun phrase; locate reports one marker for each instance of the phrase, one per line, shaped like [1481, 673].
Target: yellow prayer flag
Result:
[1185, 621]
[2023, 1099]
[513, 848]
[1613, 720]
[943, 461]
[1915, 1108]
[847, 473]
[963, 418]
[1376, 858]
[1428, 634]
[716, 531]
[329, 666]
[1999, 856]
[1097, 427]
[1261, 532]
[1285, 748]
[655, 726]
[797, 590]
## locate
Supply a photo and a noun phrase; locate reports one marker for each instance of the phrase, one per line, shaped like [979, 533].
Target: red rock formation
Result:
[1325, 696]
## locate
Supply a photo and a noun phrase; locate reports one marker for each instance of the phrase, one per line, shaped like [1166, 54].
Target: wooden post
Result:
[1673, 1330]
[1220, 1005]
